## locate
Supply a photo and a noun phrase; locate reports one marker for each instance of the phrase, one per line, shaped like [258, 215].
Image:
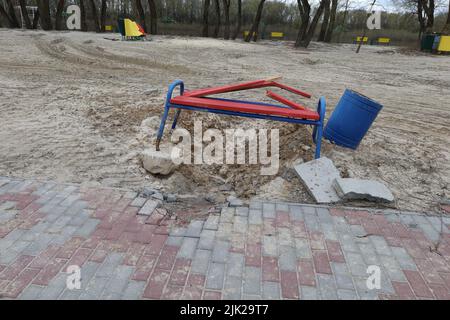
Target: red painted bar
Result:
[285, 101]
[244, 107]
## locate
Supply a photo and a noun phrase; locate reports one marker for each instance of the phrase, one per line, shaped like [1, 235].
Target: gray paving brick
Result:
[285, 237]
[302, 248]
[240, 224]
[109, 265]
[94, 288]
[364, 292]
[430, 232]
[309, 293]
[12, 236]
[212, 223]
[38, 245]
[70, 199]
[87, 228]
[232, 288]
[174, 241]
[32, 292]
[287, 259]
[194, 229]
[207, 239]
[251, 297]
[255, 205]
[5, 244]
[252, 280]
[281, 207]
[227, 214]
[270, 290]
[255, 217]
[308, 210]
[311, 222]
[187, 248]
[327, 286]
[368, 253]
[296, 213]
[225, 231]
[76, 208]
[235, 264]
[177, 232]
[344, 281]
[359, 232]
[79, 219]
[215, 276]
[392, 267]
[149, 206]
[138, 202]
[269, 210]
[201, 261]
[403, 258]
[324, 215]
[88, 270]
[70, 294]
[242, 211]
[341, 225]
[345, 294]
[133, 290]
[220, 251]
[347, 243]
[55, 288]
[270, 247]
[8, 257]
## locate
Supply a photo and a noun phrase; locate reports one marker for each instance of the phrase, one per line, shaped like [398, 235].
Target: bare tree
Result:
[206, 4]
[312, 27]
[153, 17]
[44, 14]
[141, 14]
[239, 20]
[83, 15]
[331, 23]
[95, 15]
[305, 10]
[103, 16]
[25, 17]
[325, 21]
[58, 15]
[446, 29]
[425, 13]
[253, 32]
[226, 11]
[36, 19]
[217, 26]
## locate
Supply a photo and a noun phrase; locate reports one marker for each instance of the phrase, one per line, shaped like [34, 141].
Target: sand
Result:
[72, 104]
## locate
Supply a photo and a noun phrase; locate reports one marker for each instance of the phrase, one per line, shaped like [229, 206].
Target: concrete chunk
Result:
[318, 176]
[149, 207]
[158, 162]
[350, 189]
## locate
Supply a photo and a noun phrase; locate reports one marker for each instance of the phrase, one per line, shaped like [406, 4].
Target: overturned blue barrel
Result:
[351, 119]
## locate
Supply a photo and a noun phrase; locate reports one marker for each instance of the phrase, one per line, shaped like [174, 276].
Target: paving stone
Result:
[271, 290]
[309, 293]
[242, 211]
[177, 232]
[285, 237]
[138, 202]
[392, 267]
[232, 288]
[215, 276]
[212, 223]
[133, 290]
[87, 228]
[252, 280]
[187, 248]
[227, 215]
[110, 264]
[295, 213]
[220, 251]
[345, 294]
[255, 205]
[269, 210]
[55, 288]
[287, 259]
[32, 292]
[302, 248]
[318, 176]
[207, 239]
[255, 217]
[201, 261]
[94, 288]
[194, 229]
[149, 206]
[327, 286]
[270, 247]
[235, 264]
[240, 224]
[174, 241]
[404, 259]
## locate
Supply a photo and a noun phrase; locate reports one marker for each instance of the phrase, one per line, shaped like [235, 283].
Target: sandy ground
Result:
[72, 104]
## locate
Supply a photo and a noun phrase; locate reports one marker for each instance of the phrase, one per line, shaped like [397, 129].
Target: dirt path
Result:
[71, 107]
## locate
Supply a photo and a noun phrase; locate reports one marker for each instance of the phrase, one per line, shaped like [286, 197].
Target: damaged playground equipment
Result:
[348, 124]
[130, 30]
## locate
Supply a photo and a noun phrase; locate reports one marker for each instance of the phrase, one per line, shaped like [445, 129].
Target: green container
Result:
[427, 42]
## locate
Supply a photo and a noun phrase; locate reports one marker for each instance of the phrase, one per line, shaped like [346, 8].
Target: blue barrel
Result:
[351, 119]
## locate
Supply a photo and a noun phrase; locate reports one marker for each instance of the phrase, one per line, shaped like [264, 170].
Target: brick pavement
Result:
[265, 251]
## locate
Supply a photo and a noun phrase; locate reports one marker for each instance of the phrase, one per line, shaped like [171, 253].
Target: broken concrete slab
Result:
[318, 176]
[357, 189]
[158, 162]
[234, 202]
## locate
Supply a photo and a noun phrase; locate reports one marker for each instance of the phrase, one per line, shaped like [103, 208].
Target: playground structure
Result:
[290, 111]
[130, 30]
[435, 43]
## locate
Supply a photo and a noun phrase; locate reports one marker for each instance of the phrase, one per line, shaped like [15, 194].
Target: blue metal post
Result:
[319, 127]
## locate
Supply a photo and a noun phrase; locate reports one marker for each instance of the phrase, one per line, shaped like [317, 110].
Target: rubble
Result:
[356, 189]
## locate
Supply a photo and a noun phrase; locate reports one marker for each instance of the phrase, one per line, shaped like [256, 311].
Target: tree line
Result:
[220, 18]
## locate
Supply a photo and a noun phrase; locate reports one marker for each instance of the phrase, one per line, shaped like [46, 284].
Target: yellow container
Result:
[247, 32]
[108, 28]
[384, 40]
[277, 34]
[444, 44]
[365, 39]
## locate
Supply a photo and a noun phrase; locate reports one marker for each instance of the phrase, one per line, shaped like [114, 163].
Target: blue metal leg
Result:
[166, 110]
[175, 120]
[318, 130]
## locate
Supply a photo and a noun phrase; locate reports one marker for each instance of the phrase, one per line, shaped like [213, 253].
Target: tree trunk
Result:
[140, 11]
[58, 15]
[25, 17]
[305, 10]
[44, 14]
[446, 29]
[6, 15]
[153, 17]
[205, 18]
[226, 11]
[103, 16]
[239, 20]
[312, 27]
[12, 14]
[83, 15]
[217, 26]
[95, 15]
[330, 29]
[254, 29]
[36, 19]
[326, 17]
